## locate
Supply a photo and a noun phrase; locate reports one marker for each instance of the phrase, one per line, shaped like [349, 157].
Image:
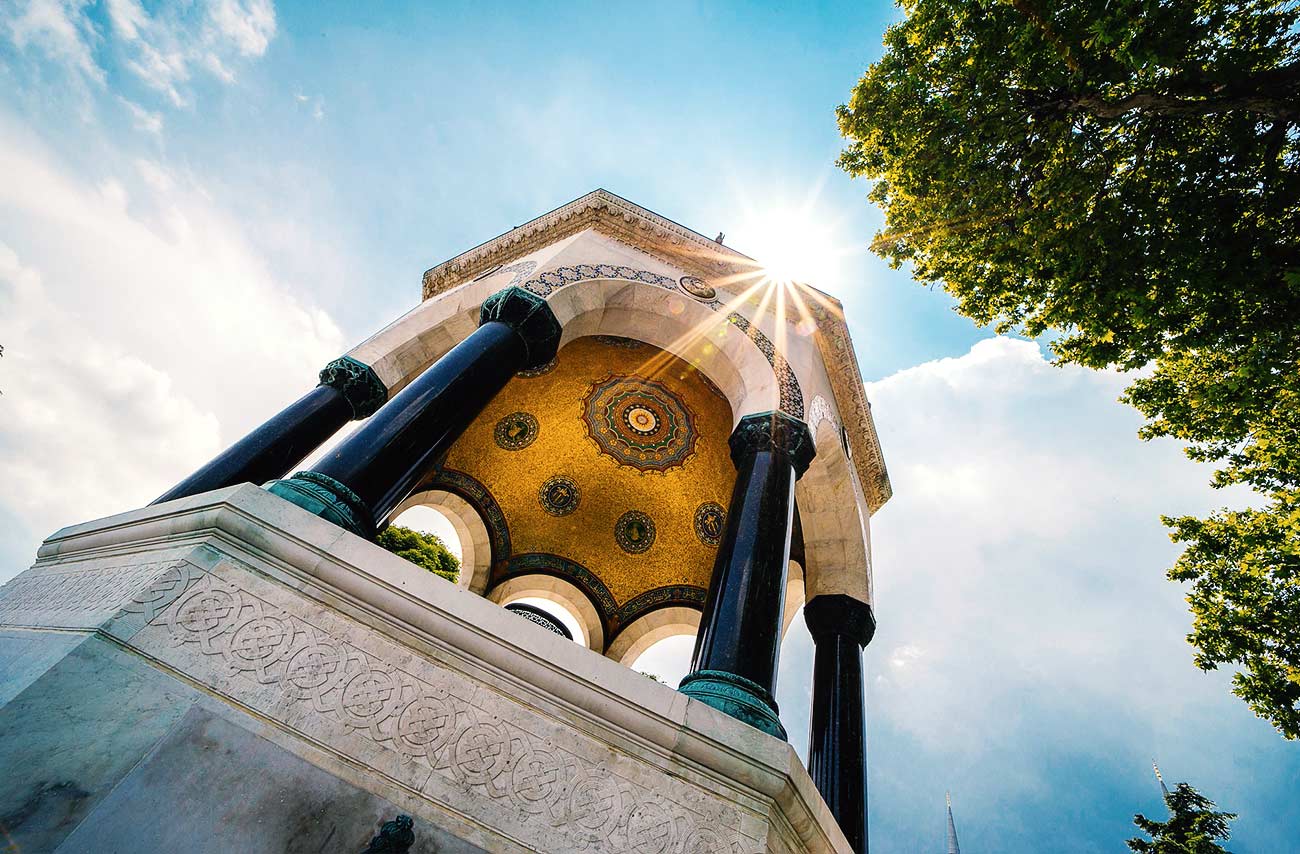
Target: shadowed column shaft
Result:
[400, 445]
[740, 630]
[734, 665]
[360, 482]
[273, 448]
[837, 745]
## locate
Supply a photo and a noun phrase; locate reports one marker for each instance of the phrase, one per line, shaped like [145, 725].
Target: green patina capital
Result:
[741, 698]
[773, 431]
[531, 319]
[358, 383]
[327, 498]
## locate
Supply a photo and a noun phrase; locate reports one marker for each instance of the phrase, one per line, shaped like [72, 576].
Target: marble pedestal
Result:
[228, 672]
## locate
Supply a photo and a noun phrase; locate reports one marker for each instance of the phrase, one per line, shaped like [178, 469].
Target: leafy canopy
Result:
[1125, 175]
[421, 549]
[1192, 828]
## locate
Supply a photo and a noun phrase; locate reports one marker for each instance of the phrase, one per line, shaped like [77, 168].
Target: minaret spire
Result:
[1164, 790]
[953, 847]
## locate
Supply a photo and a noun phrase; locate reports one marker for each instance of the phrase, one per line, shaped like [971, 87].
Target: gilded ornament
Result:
[710, 518]
[698, 288]
[559, 496]
[516, 431]
[639, 422]
[634, 532]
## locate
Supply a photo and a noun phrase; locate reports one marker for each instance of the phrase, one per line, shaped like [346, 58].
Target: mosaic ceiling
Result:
[609, 467]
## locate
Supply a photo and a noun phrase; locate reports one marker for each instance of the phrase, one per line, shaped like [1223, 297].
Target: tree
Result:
[1126, 177]
[1192, 828]
[421, 549]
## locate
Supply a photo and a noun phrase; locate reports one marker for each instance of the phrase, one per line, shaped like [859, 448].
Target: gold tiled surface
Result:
[608, 489]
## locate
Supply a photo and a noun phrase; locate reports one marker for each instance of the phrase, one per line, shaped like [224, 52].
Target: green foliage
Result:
[1192, 828]
[1126, 175]
[421, 549]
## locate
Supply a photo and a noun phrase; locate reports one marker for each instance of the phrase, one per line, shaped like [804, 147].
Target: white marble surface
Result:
[432, 696]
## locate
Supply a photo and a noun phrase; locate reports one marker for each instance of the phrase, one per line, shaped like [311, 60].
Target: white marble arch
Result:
[648, 629]
[475, 545]
[794, 593]
[677, 324]
[668, 319]
[835, 535]
[563, 593]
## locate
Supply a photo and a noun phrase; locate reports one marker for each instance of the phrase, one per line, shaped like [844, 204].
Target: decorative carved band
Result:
[487, 755]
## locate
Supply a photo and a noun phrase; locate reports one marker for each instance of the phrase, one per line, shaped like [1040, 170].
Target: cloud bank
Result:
[141, 332]
[1030, 653]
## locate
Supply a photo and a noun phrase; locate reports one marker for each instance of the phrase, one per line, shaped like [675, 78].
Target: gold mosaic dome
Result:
[608, 468]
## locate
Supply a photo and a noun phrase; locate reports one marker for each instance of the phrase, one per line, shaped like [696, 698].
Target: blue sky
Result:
[201, 204]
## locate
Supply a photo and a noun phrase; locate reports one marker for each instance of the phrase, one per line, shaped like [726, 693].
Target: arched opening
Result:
[428, 520]
[837, 556]
[647, 631]
[558, 612]
[667, 659]
[560, 599]
[459, 526]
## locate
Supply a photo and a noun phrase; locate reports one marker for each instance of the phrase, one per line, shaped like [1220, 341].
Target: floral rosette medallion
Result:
[639, 422]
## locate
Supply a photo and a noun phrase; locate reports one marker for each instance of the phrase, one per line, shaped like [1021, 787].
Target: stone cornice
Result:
[836, 348]
[697, 255]
[608, 214]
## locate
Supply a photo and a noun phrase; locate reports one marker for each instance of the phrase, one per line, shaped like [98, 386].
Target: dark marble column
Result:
[734, 667]
[348, 390]
[376, 468]
[841, 627]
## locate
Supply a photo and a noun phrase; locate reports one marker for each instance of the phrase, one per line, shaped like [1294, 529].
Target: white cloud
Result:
[161, 48]
[249, 25]
[58, 28]
[141, 335]
[1022, 605]
[142, 119]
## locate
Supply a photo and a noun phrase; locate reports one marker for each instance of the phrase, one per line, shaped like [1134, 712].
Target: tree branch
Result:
[1098, 106]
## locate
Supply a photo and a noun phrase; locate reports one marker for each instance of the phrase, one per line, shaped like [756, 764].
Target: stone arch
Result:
[837, 557]
[475, 542]
[794, 595]
[563, 593]
[678, 324]
[727, 348]
[648, 629]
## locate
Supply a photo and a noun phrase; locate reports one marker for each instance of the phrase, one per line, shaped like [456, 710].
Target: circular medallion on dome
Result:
[634, 532]
[516, 431]
[559, 496]
[709, 521]
[640, 423]
[697, 288]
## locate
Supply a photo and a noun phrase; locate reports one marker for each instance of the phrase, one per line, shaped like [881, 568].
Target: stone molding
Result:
[466, 711]
[358, 383]
[608, 214]
[700, 257]
[773, 431]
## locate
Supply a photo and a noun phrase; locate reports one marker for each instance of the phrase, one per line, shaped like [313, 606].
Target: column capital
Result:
[358, 383]
[836, 613]
[531, 319]
[773, 431]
